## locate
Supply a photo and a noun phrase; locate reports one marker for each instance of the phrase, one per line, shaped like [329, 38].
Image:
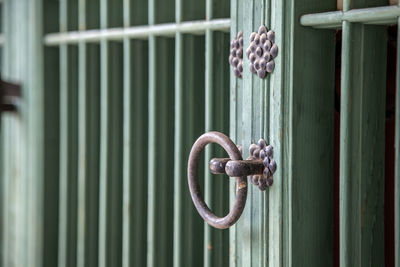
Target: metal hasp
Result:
[259, 166]
[9, 94]
[262, 51]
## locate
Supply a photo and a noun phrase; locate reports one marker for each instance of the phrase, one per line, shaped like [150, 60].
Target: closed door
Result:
[115, 93]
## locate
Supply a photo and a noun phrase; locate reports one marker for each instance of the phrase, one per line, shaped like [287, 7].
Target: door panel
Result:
[291, 224]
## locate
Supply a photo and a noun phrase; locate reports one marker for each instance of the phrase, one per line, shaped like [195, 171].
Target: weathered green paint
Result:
[88, 139]
[362, 143]
[287, 110]
[88, 154]
[111, 136]
[68, 156]
[160, 139]
[235, 109]
[32, 194]
[375, 15]
[216, 119]
[189, 119]
[135, 137]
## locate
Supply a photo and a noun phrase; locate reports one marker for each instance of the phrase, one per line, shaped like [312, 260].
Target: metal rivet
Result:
[264, 152]
[271, 36]
[236, 54]
[252, 36]
[266, 56]
[261, 73]
[274, 50]
[270, 66]
[252, 57]
[261, 51]
[262, 29]
[263, 38]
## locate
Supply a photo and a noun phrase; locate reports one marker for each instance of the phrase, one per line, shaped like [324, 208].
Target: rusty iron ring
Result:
[195, 192]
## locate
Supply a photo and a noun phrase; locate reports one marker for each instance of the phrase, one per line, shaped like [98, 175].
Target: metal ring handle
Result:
[195, 192]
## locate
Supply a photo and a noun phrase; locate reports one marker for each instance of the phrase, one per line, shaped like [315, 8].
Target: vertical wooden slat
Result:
[160, 142]
[275, 233]
[178, 141]
[216, 110]
[63, 225]
[88, 139]
[397, 156]
[135, 141]
[68, 143]
[246, 225]
[110, 221]
[127, 203]
[362, 124]
[209, 100]
[307, 150]
[234, 132]
[88, 181]
[189, 114]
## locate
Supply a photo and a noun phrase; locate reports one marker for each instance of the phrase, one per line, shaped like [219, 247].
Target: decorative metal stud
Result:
[236, 55]
[265, 153]
[262, 51]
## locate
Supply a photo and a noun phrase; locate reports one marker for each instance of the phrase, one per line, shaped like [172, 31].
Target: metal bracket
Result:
[260, 166]
[9, 95]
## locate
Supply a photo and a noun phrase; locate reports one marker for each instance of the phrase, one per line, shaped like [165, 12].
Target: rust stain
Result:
[209, 247]
[242, 185]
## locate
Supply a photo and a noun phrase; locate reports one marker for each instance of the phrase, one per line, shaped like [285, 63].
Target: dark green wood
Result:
[160, 145]
[68, 155]
[111, 136]
[362, 142]
[89, 139]
[135, 75]
[362, 145]
[189, 124]
[287, 110]
[216, 190]
[309, 114]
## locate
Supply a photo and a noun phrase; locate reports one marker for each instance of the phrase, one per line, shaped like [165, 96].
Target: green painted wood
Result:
[275, 226]
[216, 110]
[189, 124]
[160, 139]
[209, 120]
[250, 226]
[135, 142]
[397, 160]
[31, 186]
[236, 89]
[374, 15]
[160, 186]
[88, 140]
[88, 154]
[362, 143]
[127, 147]
[67, 237]
[68, 156]
[111, 136]
[308, 118]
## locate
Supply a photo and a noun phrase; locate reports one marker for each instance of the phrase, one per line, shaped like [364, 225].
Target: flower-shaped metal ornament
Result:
[236, 55]
[262, 51]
